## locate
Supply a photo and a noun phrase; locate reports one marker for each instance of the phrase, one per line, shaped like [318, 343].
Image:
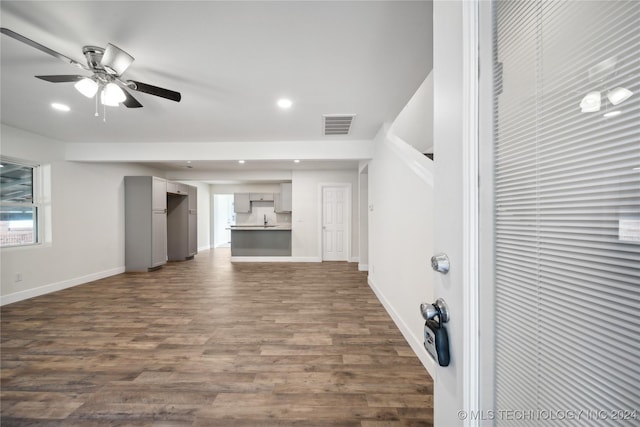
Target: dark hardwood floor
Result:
[208, 343]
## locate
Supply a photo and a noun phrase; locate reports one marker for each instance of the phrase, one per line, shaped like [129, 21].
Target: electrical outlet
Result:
[18, 277]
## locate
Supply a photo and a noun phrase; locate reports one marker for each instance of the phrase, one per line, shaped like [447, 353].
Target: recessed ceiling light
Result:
[241, 162]
[284, 103]
[296, 161]
[60, 107]
[612, 113]
[188, 161]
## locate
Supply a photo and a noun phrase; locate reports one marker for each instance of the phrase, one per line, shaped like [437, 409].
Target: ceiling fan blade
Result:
[130, 102]
[61, 78]
[155, 90]
[42, 48]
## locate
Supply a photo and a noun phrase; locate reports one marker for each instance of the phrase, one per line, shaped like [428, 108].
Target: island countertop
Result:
[286, 227]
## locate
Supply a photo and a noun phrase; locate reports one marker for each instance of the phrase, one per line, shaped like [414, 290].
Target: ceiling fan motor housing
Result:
[94, 56]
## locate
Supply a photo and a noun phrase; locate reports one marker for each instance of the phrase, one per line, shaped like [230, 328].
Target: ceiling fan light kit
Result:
[112, 95]
[107, 66]
[87, 86]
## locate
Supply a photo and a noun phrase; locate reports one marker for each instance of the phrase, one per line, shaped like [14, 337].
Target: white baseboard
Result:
[363, 267]
[58, 286]
[275, 259]
[204, 248]
[416, 343]
[355, 259]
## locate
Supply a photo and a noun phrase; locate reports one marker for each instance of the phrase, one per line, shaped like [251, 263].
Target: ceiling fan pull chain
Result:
[104, 113]
[96, 113]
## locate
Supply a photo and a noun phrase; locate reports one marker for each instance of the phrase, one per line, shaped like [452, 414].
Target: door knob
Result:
[440, 263]
[438, 308]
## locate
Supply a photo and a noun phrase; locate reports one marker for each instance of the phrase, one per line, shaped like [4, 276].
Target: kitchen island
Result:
[258, 240]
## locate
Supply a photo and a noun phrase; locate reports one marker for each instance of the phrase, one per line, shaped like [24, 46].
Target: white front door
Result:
[335, 223]
[561, 245]
[455, 192]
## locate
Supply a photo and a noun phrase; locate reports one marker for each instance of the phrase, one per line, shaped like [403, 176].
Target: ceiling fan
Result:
[107, 66]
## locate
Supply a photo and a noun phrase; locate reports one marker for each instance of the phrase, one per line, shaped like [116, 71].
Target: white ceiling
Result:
[230, 60]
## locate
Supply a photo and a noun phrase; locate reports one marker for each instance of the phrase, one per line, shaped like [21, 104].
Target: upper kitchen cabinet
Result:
[282, 200]
[241, 203]
[177, 188]
[261, 197]
[145, 222]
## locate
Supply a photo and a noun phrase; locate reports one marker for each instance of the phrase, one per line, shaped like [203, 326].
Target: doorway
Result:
[336, 222]
[223, 218]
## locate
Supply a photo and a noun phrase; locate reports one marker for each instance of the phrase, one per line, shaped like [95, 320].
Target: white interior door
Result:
[335, 223]
[455, 213]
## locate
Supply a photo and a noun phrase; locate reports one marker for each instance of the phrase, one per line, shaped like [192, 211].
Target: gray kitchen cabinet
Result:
[193, 221]
[145, 222]
[182, 223]
[261, 197]
[282, 200]
[177, 188]
[241, 203]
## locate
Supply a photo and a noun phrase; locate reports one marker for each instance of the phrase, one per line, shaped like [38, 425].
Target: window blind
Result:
[567, 212]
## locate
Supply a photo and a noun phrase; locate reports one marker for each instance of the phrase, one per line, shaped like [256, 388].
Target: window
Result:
[18, 207]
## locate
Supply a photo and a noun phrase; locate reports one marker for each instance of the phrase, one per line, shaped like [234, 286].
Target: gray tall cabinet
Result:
[145, 222]
[193, 221]
[161, 222]
[182, 221]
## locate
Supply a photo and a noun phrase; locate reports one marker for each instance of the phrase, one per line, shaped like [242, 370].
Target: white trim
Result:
[470, 214]
[321, 186]
[275, 259]
[362, 165]
[363, 267]
[415, 161]
[486, 258]
[416, 343]
[58, 286]
[354, 259]
[204, 248]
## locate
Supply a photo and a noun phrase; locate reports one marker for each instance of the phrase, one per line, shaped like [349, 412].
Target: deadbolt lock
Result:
[440, 263]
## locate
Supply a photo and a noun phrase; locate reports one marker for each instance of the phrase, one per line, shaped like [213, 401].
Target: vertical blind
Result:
[567, 209]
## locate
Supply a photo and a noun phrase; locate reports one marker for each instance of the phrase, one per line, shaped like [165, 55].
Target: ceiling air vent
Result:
[337, 124]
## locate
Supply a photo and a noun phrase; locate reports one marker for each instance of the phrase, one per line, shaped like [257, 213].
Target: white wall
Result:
[363, 215]
[401, 234]
[87, 221]
[204, 215]
[414, 124]
[306, 219]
